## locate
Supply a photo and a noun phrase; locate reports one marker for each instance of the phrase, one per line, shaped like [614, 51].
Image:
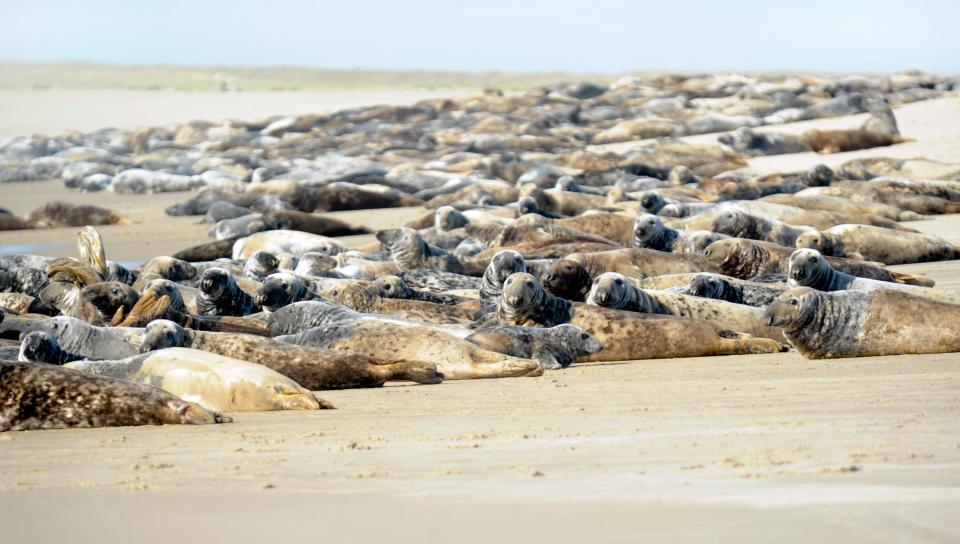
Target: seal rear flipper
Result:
[751, 345]
[90, 245]
[910, 279]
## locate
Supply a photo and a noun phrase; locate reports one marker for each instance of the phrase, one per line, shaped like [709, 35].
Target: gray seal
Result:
[501, 266]
[219, 295]
[409, 251]
[739, 292]
[554, 347]
[76, 336]
[41, 396]
[41, 347]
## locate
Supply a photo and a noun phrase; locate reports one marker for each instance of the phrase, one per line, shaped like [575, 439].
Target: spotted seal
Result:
[878, 244]
[553, 347]
[865, 323]
[41, 396]
[623, 335]
[455, 358]
[612, 290]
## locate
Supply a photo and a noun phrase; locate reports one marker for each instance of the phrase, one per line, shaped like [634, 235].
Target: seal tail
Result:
[416, 371]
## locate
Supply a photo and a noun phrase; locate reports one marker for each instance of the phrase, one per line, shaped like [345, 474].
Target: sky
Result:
[586, 36]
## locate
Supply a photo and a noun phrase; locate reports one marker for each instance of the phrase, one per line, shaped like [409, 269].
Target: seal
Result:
[808, 268]
[730, 289]
[41, 396]
[739, 224]
[261, 264]
[623, 335]
[358, 297]
[501, 266]
[746, 259]
[394, 287]
[208, 251]
[113, 300]
[285, 241]
[456, 359]
[863, 324]
[641, 263]
[438, 282]
[167, 268]
[842, 205]
[649, 232]
[410, 251]
[26, 280]
[615, 226]
[65, 214]
[313, 223]
[878, 244]
[41, 347]
[314, 368]
[220, 295]
[566, 279]
[283, 288]
[612, 290]
[90, 341]
[213, 381]
[553, 347]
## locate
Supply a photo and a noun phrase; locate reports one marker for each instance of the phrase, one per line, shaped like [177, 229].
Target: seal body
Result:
[863, 324]
[40, 396]
[878, 244]
[554, 347]
[212, 381]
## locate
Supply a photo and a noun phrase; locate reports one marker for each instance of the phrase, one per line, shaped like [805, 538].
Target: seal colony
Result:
[541, 247]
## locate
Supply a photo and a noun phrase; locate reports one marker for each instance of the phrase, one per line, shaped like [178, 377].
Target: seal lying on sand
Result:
[314, 368]
[863, 324]
[220, 295]
[409, 251]
[878, 244]
[456, 359]
[41, 396]
[212, 381]
[733, 290]
[66, 214]
[744, 225]
[554, 347]
[41, 347]
[612, 290]
[623, 335]
[745, 259]
[394, 287]
[641, 263]
[808, 268]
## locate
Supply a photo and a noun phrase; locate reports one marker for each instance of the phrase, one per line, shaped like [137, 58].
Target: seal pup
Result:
[879, 244]
[746, 259]
[213, 381]
[566, 279]
[730, 289]
[409, 251]
[612, 290]
[455, 358]
[41, 347]
[220, 295]
[41, 396]
[847, 323]
[808, 268]
[623, 335]
[553, 347]
[314, 368]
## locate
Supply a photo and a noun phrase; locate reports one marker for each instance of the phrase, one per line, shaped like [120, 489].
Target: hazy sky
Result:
[509, 35]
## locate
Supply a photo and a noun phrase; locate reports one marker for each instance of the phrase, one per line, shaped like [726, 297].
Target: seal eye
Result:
[813, 259]
[114, 291]
[530, 284]
[619, 281]
[793, 302]
[584, 336]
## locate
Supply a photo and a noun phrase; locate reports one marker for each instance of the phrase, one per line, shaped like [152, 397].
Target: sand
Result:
[757, 448]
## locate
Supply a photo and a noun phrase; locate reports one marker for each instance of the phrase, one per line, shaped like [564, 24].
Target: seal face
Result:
[220, 295]
[567, 279]
[554, 347]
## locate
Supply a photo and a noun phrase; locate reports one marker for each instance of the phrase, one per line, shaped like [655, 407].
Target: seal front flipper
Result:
[547, 361]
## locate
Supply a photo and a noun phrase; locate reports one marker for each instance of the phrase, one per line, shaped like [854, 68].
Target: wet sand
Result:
[758, 448]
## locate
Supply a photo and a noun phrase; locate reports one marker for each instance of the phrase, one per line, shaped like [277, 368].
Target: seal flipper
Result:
[412, 371]
[92, 254]
[548, 361]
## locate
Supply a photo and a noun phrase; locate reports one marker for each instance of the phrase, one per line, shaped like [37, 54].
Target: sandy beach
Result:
[761, 448]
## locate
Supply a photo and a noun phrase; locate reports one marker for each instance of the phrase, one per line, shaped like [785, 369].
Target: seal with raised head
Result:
[746, 259]
[501, 266]
[734, 290]
[283, 288]
[41, 347]
[40, 396]
[623, 335]
[864, 324]
[553, 347]
[808, 268]
[410, 251]
[567, 279]
[455, 358]
[878, 244]
[212, 381]
[219, 295]
[612, 290]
